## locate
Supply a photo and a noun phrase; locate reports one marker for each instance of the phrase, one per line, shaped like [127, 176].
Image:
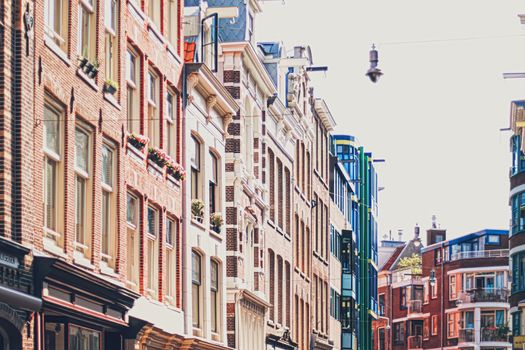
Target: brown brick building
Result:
[82, 82]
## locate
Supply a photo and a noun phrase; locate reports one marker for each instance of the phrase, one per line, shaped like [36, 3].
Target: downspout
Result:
[442, 296]
[184, 224]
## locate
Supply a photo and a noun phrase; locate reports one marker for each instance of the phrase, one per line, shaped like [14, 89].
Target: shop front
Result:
[81, 311]
[17, 304]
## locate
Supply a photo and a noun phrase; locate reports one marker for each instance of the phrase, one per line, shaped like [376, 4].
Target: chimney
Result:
[400, 234]
[298, 51]
[416, 232]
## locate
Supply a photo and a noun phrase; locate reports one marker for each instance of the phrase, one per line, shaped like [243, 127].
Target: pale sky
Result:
[436, 113]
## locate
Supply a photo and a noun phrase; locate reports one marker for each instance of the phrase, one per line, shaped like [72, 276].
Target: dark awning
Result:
[19, 300]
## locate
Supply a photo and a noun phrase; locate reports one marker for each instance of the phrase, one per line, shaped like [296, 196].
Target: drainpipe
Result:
[442, 295]
[184, 253]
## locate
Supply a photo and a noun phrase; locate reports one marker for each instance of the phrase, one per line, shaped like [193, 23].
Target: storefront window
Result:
[54, 336]
[518, 272]
[83, 339]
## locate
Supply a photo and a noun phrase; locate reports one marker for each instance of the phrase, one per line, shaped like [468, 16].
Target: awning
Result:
[19, 300]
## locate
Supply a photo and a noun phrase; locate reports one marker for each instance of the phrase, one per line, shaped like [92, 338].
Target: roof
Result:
[393, 258]
[271, 49]
[466, 238]
[481, 233]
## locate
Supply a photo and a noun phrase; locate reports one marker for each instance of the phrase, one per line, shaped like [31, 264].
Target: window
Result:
[434, 324]
[133, 95]
[171, 261]
[402, 298]
[152, 250]
[53, 178]
[214, 184]
[87, 27]
[56, 22]
[518, 213]
[452, 287]
[381, 338]
[172, 23]
[518, 158]
[111, 39]
[518, 272]
[516, 323]
[171, 123]
[84, 339]
[153, 109]
[426, 328]
[82, 189]
[381, 305]
[133, 239]
[54, 336]
[271, 177]
[399, 333]
[214, 296]
[452, 325]
[434, 289]
[195, 167]
[209, 41]
[426, 292]
[108, 205]
[492, 239]
[154, 12]
[195, 288]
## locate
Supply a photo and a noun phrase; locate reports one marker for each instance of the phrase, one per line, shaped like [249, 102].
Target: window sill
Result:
[135, 154]
[81, 260]
[50, 246]
[112, 100]
[198, 224]
[57, 51]
[216, 235]
[173, 181]
[108, 271]
[197, 332]
[154, 169]
[89, 81]
[215, 336]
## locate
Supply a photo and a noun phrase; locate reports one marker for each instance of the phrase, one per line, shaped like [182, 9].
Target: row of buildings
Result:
[449, 294]
[168, 183]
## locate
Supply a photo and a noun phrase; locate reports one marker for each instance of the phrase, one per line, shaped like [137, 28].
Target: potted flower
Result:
[176, 170]
[110, 86]
[82, 61]
[94, 70]
[216, 222]
[158, 156]
[138, 141]
[197, 209]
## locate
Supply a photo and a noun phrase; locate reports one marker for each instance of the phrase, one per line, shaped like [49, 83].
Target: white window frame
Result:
[170, 115]
[54, 235]
[133, 91]
[111, 39]
[57, 32]
[90, 11]
[153, 108]
[110, 190]
[84, 245]
[197, 319]
[171, 262]
[133, 243]
[152, 244]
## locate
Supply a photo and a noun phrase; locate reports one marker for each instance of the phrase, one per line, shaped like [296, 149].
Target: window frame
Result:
[84, 245]
[133, 87]
[152, 246]
[215, 295]
[55, 234]
[111, 190]
[90, 10]
[153, 89]
[133, 229]
[196, 289]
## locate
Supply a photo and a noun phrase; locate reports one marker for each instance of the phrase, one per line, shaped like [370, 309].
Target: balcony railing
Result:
[415, 307]
[406, 275]
[493, 334]
[480, 254]
[487, 295]
[467, 335]
[415, 342]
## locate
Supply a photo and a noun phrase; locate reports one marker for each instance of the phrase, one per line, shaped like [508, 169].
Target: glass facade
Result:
[518, 158]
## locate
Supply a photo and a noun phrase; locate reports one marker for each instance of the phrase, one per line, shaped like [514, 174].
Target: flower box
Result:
[154, 169]
[138, 141]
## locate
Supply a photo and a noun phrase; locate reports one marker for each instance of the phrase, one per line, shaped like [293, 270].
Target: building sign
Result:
[519, 341]
[9, 260]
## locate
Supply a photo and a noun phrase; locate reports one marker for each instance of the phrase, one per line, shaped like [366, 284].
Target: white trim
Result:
[516, 250]
[488, 305]
[516, 190]
[480, 269]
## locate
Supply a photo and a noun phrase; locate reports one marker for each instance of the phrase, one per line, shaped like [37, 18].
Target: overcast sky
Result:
[436, 113]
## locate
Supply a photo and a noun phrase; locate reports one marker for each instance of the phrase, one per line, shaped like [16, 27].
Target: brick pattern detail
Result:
[233, 146]
[231, 76]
